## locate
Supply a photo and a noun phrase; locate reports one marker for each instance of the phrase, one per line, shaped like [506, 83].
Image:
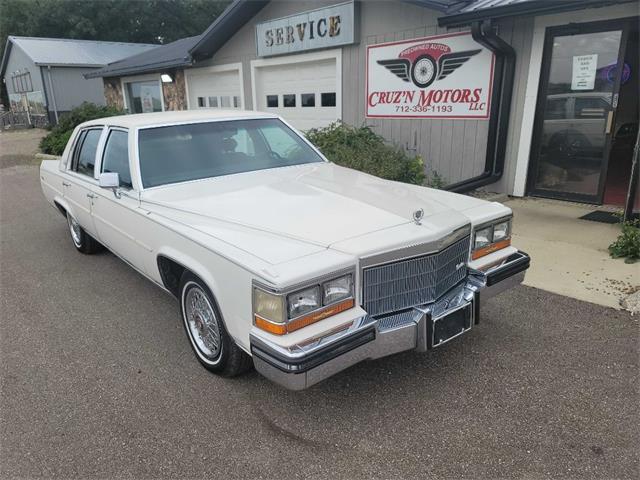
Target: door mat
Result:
[602, 217]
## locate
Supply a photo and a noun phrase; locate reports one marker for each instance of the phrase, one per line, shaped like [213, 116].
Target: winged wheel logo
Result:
[426, 63]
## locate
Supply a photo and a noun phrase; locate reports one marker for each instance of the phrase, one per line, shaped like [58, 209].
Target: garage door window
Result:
[328, 99]
[272, 101]
[144, 97]
[289, 100]
[308, 99]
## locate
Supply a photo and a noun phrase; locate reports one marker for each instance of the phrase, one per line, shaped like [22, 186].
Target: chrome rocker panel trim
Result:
[370, 338]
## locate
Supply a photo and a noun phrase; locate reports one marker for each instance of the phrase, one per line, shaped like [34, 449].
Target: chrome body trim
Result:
[416, 250]
[367, 338]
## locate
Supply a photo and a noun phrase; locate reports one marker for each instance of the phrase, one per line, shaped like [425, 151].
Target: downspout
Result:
[53, 95]
[504, 73]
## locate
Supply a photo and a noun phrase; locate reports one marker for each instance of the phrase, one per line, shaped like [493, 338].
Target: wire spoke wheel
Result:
[76, 231]
[423, 71]
[202, 322]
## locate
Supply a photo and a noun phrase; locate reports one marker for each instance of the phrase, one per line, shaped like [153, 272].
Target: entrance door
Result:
[577, 103]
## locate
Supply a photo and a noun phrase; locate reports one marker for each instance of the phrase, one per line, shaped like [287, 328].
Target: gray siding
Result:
[18, 60]
[453, 148]
[71, 88]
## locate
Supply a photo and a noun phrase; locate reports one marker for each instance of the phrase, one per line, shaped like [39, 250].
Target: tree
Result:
[139, 21]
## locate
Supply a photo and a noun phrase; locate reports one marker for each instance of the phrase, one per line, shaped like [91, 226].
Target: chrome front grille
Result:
[415, 281]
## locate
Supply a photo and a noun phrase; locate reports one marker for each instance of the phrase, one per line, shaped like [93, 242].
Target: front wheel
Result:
[213, 346]
[83, 242]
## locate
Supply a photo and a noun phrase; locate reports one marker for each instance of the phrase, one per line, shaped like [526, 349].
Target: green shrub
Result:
[57, 139]
[627, 245]
[364, 150]
[435, 180]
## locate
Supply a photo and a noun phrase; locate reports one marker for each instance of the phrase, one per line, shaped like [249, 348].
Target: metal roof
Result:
[485, 9]
[70, 53]
[185, 51]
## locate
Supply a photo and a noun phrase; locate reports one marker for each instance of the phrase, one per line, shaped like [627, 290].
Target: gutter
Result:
[504, 73]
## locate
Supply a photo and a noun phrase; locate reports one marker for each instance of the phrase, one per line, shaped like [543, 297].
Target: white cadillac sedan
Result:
[278, 257]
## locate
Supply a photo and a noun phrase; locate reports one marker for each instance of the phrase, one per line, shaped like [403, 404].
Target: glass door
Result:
[576, 106]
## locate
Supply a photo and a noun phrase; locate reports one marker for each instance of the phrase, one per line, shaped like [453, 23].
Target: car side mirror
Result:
[110, 180]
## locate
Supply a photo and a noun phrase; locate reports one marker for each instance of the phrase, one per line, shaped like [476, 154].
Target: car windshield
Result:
[179, 153]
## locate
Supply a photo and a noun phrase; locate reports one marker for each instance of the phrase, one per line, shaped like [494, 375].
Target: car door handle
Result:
[65, 184]
[91, 195]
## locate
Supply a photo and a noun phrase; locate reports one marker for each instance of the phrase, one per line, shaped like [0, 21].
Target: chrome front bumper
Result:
[369, 338]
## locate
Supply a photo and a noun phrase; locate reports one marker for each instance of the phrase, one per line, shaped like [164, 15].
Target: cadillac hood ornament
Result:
[418, 215]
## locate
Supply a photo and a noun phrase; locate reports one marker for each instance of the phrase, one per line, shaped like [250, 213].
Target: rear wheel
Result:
[83, 242]
[213, 346]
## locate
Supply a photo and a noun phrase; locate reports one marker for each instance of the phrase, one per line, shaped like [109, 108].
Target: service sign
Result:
[445, 76]
[322, 28]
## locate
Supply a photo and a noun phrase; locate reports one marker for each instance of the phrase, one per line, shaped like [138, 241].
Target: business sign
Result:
[445, 76]
[322, 28]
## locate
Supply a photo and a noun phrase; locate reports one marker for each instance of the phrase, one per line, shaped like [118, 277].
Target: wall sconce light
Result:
[166, 78]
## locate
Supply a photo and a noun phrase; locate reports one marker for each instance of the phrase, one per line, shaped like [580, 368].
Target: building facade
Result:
[523, 97]
[45, 76]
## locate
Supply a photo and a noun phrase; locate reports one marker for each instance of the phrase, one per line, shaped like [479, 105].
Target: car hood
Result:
[319, 204]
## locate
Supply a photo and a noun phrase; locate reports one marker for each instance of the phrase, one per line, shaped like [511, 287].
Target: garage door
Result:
[211, 89]
[304, 93]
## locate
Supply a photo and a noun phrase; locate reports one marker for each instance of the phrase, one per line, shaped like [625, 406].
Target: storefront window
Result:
[144, 97]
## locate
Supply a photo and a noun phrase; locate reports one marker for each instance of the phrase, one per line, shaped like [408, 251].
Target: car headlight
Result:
[284, 312]
[303, 301]
[337, 289]
[483, 237]
[490, 238]
[501, 230]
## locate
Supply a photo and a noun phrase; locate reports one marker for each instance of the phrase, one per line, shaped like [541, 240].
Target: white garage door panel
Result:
[214, 89]
[297, 83]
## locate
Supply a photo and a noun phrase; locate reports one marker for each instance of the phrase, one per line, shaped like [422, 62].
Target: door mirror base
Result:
[110, 180]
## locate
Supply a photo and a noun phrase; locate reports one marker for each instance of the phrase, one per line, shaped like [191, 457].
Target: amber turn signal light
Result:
[494, 247]
[298, 323]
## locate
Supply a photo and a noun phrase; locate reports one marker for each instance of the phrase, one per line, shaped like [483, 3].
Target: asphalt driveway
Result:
[98, 380]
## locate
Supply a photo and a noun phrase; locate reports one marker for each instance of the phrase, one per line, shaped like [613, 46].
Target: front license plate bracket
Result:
[446, 327]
